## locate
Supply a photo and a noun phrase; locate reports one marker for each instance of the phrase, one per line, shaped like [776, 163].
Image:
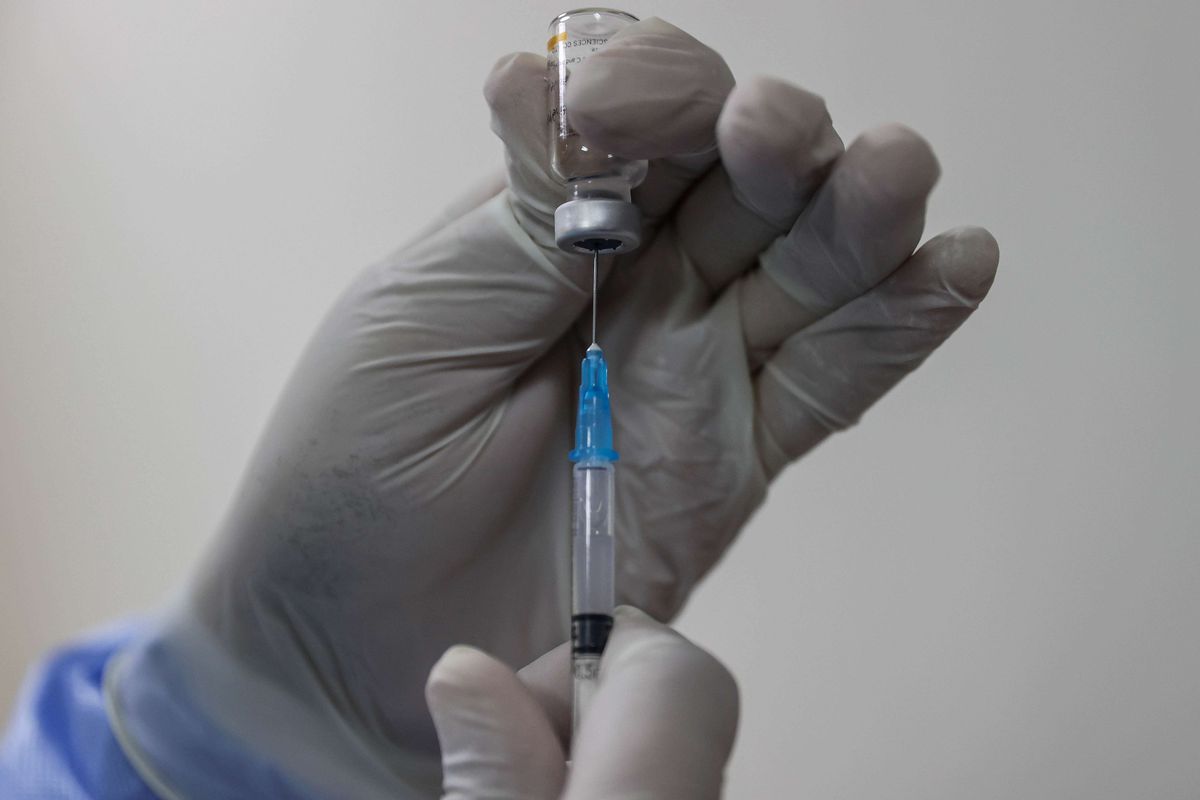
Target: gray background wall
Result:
[990, 588]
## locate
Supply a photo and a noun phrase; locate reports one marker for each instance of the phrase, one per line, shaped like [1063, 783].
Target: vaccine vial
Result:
[599, 216]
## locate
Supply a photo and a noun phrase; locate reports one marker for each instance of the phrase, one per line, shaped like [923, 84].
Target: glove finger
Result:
[662, 722]
[862, 225]
[822, 379]
[548, 679]
[777, 144]
[653, 92]
[496, 742]
[515, 91]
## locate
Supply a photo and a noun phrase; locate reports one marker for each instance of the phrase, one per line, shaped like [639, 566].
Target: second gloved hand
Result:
[662, 727]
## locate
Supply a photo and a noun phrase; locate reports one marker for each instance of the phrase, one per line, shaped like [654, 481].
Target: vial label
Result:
[564, 51]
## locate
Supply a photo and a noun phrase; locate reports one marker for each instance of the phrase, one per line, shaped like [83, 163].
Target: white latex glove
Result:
[662, 726]
[411, 490]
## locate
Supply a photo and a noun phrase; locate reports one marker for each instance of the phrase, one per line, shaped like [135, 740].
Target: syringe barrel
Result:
[592, 551]
[592, 546]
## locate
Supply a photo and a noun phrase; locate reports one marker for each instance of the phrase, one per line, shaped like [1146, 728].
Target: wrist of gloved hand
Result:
[198, 721]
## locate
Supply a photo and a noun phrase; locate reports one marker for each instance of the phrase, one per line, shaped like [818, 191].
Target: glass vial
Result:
[600, 216]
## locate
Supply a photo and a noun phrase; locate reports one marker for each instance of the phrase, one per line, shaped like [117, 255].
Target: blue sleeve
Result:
[59, 744]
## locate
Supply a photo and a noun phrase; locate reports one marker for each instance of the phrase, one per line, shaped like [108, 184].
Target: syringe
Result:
[592, 595]
[599, 217]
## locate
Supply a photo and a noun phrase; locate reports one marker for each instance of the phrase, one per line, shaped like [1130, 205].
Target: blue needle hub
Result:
[593, 426]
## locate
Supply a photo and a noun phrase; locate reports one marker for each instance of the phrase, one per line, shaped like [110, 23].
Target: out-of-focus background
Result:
[989, 589]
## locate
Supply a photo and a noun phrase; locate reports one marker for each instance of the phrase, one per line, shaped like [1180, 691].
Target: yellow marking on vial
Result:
[561, 36]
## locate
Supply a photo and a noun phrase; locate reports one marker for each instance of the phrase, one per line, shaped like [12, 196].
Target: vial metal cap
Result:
[597, 225]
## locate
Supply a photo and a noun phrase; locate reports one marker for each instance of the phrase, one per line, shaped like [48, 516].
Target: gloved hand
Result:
[662, 725]
[411, 490]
